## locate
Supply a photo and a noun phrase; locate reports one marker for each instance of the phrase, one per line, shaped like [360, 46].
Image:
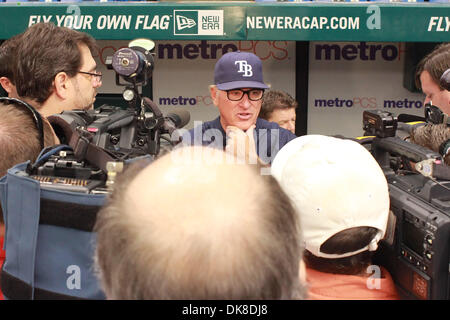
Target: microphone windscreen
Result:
[404, 117]
[180, 118]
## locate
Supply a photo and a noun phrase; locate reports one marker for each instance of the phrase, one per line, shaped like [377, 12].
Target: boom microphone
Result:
[180, 118]
[445, 80]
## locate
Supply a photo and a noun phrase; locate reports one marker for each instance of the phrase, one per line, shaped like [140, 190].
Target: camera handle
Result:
[153, 125]
[397, 146]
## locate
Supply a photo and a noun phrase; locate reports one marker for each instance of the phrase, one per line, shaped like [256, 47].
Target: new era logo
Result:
[184, 22]
[198, 22]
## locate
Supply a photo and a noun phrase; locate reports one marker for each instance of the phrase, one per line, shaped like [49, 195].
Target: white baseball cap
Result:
[335, 184]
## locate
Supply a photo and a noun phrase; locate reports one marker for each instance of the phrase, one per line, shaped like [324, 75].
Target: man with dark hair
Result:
[237, 92]
[231, 234]
[7, 61]
[55, 70]
[278, 106]
[435, 136]
[19, 142]
[342, 198]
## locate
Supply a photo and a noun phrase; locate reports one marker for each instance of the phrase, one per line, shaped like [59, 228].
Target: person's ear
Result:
[302, 272]
[6, 84]
[214, 95]
[62, 85]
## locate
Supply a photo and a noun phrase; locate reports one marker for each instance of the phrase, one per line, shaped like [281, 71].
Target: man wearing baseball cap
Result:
[342, 198]
[237, 92]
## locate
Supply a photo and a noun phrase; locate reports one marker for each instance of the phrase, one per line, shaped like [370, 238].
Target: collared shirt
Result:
[269, 137]
[330, 286]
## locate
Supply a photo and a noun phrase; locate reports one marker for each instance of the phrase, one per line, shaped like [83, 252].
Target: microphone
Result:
[176, 120]
[445, 80]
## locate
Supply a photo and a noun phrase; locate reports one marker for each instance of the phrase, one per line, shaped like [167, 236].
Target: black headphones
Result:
[37, 118]
[435, 115]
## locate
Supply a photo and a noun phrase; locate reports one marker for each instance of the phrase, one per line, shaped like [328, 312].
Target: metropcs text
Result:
[105, 22]
[234, 309]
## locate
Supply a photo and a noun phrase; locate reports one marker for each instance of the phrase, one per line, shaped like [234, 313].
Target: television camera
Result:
[417, 242]
[108, 132]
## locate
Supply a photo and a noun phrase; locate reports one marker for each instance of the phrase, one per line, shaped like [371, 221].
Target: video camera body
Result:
[416, 249]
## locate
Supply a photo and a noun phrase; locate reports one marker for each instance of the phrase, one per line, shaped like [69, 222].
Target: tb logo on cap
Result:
[245, 68]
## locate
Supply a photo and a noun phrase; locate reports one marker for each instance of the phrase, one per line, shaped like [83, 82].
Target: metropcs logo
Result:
[198, 22]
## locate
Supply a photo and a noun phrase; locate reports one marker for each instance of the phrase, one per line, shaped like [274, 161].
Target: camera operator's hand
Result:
[241, 144]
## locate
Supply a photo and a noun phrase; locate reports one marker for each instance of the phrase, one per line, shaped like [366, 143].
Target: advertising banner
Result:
[350, 22]
[129, 20]
[237, 21]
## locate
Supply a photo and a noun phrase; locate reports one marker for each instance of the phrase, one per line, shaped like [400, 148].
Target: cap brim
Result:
[241, 84]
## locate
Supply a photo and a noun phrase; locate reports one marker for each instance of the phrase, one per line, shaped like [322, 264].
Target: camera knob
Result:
[125, 62]
[140, 142]
[429, 239]
[114, 139]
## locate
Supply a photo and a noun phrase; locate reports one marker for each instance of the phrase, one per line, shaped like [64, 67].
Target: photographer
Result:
[55, 70]
[430, 69]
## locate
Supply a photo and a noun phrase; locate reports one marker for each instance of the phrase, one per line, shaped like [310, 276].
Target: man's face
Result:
[85, 85]
[432, 91]
[242, 113]
[285, 118]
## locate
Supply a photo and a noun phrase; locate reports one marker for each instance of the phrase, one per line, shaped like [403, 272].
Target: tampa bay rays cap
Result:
[238, 69]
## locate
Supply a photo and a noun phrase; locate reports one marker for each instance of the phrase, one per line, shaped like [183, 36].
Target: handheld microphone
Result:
[176, 120]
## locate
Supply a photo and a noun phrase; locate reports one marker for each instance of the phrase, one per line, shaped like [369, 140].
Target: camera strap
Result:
[84, 149]
[80, 140]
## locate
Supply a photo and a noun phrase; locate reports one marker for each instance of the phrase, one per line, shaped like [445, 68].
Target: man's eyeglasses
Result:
[96, 76]
[238, 94]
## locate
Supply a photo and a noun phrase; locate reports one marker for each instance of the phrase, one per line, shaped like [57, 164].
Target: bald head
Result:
[189, 191]
[200, 229]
